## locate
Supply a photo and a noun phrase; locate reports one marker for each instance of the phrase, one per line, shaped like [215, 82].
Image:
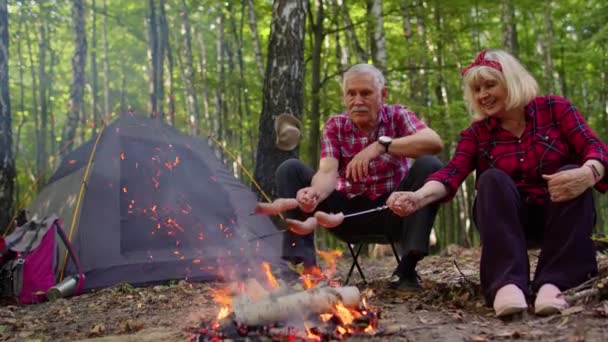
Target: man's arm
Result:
[326, 178]
[423, 142]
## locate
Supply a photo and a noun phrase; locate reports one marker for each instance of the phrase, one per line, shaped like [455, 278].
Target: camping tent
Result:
[156, 205]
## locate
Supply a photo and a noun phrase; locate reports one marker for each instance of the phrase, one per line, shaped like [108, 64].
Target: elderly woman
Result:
[536, 160]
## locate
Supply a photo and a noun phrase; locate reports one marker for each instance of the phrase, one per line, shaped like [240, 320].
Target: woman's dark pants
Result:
[508, 224]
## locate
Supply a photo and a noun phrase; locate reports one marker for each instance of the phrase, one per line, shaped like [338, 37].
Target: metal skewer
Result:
[366, 211]
[363, 212]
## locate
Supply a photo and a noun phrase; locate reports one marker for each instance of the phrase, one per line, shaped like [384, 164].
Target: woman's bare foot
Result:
[329, 220]
[302, 227]
[276, 207]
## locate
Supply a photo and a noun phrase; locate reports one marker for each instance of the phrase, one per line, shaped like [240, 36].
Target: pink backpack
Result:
[31, 260]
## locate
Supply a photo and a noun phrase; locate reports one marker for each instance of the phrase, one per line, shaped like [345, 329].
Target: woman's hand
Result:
[302, 227]
[568, 184]
[404, 203]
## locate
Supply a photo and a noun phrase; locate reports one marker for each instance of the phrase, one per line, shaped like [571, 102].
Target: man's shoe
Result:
[509, 300]
[549, 300]
[409, 283]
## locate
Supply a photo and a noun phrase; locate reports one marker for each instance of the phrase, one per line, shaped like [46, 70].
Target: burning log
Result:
[300, 304]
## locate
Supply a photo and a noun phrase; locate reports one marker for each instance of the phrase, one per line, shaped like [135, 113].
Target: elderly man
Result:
[364, 154]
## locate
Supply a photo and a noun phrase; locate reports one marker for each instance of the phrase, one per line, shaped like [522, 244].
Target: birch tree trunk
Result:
[190, 92]
[315, 121]
[253, 27]
[7, 160]
[351, 34]
[283, 84]
[154, 58]
[376, 34]
[77, 83]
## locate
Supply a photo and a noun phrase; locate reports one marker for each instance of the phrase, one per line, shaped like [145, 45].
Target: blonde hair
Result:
[520, 84]
[367, 69]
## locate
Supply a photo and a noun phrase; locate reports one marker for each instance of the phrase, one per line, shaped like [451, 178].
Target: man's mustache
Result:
[360, 109]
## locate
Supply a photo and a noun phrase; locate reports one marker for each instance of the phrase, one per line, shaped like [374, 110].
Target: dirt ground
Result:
[450, 308]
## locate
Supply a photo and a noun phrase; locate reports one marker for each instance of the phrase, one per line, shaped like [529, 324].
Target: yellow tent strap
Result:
[242, 167]
[79, 199]
[8, 226]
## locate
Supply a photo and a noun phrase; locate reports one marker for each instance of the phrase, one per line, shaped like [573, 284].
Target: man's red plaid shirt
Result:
[555, 135]
[342, 140]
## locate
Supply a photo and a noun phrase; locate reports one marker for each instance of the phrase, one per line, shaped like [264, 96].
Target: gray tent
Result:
[156, 205]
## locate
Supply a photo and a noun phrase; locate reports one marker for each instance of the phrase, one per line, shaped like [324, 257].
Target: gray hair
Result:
[363, 68]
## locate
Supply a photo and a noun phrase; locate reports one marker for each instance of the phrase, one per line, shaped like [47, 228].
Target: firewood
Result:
[300, 304]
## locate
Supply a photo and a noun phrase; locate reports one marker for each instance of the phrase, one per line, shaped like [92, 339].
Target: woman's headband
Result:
[481, 61]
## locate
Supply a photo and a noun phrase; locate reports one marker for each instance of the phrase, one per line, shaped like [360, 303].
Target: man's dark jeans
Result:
[412, 232]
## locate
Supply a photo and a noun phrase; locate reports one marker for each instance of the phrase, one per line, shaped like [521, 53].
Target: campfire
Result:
[316, 308]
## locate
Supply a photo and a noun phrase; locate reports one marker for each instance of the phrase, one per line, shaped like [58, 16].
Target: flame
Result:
[224, 312]
[222, 297]
[345, 315]
[122, 155]
[272, 281]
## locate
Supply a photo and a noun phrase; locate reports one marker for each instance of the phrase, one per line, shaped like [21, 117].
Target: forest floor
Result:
[450, 308]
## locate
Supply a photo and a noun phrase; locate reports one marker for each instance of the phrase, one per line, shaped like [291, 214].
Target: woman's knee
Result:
[493, 177]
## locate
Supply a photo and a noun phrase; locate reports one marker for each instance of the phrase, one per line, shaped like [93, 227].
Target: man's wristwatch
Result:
[385, 141]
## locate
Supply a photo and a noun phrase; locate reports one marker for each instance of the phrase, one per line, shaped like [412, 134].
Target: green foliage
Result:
[422, 68]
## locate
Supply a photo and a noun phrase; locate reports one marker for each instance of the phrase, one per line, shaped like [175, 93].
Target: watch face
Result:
[384, 140]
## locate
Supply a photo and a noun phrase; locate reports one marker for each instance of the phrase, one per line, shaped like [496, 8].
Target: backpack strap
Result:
[73, 256]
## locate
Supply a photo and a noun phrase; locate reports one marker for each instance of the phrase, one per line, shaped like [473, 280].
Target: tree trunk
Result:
[342, 49]
[283, 84]
[35, 106]
[219, 64]
[315, 121]
[547, 44]
[190, 92]
[376, 33]
[41, 150]
[351, 34]
[155, 61]
[203, 71]
[509, 28]
[253, 27]
[22, 117]
[7, 160]
[94, 85]
[152, 50]
[164, 31]
[77, 83]
[106, 65]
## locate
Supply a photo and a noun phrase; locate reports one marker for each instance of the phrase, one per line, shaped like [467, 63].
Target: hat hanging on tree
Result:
[287, 131]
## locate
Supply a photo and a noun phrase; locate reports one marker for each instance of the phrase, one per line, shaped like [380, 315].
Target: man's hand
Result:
[358, 168]
[308, 199]
[404, 203]
[568, 184]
